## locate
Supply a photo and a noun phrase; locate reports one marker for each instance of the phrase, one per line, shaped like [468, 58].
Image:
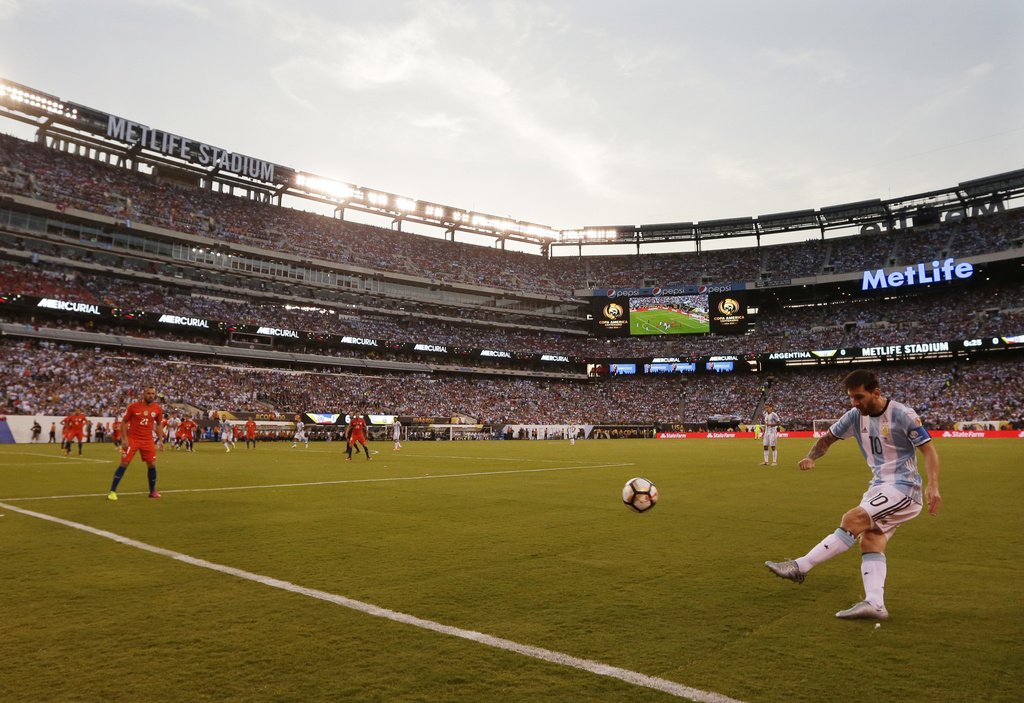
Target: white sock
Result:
[836, 543]
[873, 569]
[766, 455]
[775, 455]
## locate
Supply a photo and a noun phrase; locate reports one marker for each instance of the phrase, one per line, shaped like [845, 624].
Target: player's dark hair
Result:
[861, 377]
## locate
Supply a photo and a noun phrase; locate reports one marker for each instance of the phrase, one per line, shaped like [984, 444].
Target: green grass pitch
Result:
[647, 322]
[526, 541]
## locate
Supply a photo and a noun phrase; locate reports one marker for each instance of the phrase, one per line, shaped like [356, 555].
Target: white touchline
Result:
[63, 459]
[340, 481]
[37, 463]
[632, 677]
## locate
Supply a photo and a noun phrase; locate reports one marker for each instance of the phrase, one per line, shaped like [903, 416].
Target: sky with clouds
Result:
[567, 113]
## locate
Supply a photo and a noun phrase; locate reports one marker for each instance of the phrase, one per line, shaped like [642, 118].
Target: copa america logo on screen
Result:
[613, 311]
[728, 306]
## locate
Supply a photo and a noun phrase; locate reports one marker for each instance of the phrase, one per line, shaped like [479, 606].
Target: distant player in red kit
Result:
[186, 434]
[357, 433]
[74, 430]
[137, 426]
[250, 433]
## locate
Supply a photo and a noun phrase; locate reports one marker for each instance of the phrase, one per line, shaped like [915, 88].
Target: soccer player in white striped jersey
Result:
[771, 434]
[890, 435]
[396, 433]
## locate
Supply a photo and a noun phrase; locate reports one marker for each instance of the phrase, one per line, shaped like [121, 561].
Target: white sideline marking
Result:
[37, 463]
[440, 456]
[62, 458]
[332, 483]
[548, 655]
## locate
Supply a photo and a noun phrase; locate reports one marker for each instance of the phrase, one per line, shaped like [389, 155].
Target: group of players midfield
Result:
[355, 435]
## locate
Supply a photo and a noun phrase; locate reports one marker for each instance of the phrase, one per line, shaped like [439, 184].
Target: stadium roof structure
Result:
[77, 128]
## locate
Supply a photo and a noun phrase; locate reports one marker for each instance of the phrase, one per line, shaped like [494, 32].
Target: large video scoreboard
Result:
[684, 310]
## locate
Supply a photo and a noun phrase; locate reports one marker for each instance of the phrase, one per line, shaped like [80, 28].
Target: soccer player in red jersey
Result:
[65, 430]
[250, 433]
[357, 433]
[187, 430]
[137, 426]
[74, 430]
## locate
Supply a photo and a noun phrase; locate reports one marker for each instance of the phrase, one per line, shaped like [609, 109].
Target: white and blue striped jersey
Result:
[772, 420]
[889, 443]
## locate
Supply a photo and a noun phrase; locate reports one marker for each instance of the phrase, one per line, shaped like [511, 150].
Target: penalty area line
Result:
[595, 667]
[426, 477]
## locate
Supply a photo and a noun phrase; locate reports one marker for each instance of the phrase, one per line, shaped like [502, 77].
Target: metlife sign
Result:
[124, 130]
[917, 274]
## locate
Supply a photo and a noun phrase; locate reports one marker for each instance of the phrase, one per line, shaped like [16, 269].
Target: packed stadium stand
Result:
[435, 327]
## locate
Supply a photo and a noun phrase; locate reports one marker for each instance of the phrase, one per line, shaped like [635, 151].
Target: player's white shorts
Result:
[227, 436]
[771, 437]
[300, 436]
[888, 507]
[397, 435]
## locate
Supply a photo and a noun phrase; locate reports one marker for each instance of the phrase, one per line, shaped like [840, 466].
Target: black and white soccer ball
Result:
[639, 495]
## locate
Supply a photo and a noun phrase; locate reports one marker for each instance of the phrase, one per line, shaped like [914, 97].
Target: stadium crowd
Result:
[66, 180]
[932, 316]
[44, 378]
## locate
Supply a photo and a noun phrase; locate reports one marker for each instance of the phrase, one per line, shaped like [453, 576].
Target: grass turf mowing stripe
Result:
[332, 483]
[595, 667]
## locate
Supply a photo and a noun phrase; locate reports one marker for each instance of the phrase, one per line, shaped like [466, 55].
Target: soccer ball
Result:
[639, 495]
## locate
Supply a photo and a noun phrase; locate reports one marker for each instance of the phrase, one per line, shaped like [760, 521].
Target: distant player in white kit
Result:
[396, 433]
[227, 435]
[300, 434]
[771, 434]
[889, 434]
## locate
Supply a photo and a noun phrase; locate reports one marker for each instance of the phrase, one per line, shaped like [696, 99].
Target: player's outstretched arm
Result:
[818, 450]
[931, 467]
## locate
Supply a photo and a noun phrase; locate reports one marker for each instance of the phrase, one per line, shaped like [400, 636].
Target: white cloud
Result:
[9, 9]
[826, 65]
[440, 122]
[419, 57]
[199, 9]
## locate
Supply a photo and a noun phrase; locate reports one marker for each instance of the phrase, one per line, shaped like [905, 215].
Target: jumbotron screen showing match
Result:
[669, 314]
[698, 311]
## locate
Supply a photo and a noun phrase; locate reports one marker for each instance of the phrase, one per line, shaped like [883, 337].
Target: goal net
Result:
[446, 432]
[821, 426]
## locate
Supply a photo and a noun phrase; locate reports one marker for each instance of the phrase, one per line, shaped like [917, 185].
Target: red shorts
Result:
[76, 437]
[146, 451]
[357, 438]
